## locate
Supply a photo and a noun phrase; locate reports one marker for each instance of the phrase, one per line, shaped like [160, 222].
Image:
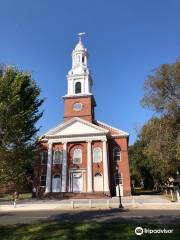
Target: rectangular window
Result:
[43, 181]
[116, 154]
[44, 157]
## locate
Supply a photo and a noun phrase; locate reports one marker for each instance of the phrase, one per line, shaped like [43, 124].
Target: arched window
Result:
[77, 156]
[116, 154]
[44, 157]
[97, 155]
[56, 176]
[78, 87]
[57, 157]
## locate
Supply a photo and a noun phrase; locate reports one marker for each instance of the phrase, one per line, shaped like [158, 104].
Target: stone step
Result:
[71, 195]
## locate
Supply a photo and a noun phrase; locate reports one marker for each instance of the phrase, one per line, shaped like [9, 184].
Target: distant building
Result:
[82, 154]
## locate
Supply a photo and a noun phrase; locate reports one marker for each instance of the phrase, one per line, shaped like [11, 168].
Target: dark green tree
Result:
[19, 113]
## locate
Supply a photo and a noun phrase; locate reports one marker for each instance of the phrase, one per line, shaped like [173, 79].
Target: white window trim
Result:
[119, 154]
[94, 154]
[81, 156]
[60, 161]
[78, 81]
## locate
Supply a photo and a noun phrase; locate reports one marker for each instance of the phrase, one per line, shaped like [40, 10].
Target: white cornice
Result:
[120, 133]
[77, 139]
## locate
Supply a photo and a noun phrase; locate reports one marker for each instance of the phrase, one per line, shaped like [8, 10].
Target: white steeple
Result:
[79, 79]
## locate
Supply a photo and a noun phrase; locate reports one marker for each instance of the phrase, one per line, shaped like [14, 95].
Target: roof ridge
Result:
[113, 128]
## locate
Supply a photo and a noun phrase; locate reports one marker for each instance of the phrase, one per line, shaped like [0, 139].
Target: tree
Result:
[161, 148]
[162, 90]
[19, 112]
[140, 164]
[158, 146]
[162, 94]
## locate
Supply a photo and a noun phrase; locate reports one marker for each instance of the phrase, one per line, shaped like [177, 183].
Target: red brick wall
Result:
[123, 165]
[85, 113]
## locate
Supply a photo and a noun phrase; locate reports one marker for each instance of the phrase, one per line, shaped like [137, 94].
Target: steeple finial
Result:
[80, 34]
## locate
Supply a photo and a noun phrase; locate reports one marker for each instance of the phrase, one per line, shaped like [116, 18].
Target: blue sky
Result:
[126, 40]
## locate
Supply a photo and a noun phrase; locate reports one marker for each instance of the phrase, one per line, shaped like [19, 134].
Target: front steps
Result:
[71, 195]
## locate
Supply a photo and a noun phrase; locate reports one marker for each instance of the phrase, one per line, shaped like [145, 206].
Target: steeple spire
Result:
[79, 100]
[79, 75]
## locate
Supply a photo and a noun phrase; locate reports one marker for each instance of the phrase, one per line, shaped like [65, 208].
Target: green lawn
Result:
[82, 231]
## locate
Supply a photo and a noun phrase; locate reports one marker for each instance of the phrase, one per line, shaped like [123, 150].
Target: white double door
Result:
[98, 183]
[56, 184]
[77, 182]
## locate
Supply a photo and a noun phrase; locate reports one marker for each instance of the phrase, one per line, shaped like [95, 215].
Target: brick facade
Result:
[122, 165]
[101, 150]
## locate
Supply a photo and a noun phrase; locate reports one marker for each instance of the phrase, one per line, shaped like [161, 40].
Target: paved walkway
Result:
[136, 202]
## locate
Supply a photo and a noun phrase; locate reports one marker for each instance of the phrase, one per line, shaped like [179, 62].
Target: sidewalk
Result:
[135, 202]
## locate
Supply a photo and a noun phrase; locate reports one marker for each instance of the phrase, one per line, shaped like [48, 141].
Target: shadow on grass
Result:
[54, 230]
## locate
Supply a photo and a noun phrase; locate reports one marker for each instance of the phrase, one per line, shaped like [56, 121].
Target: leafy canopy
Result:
[19, 113]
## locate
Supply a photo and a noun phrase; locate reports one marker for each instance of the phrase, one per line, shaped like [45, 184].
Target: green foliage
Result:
[19, 112]
[158, 146]
[162, 89]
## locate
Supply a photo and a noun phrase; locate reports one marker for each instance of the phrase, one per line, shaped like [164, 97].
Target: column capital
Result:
[104, 140]
[89, 141]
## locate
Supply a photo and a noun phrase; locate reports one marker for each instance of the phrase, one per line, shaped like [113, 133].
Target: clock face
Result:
[77, 106]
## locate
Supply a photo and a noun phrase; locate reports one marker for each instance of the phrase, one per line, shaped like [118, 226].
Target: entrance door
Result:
[98, 182]
[56, 184]
[77, 182]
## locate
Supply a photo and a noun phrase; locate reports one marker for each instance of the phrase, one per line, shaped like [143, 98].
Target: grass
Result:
[8, 197]
[82, 231]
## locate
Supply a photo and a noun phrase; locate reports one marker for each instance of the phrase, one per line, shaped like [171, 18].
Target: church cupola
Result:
[79, 100]
[79, 79]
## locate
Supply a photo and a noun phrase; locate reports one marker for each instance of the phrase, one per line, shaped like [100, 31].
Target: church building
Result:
[82, 155]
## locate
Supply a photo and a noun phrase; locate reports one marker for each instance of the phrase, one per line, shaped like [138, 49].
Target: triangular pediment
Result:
[76, 126]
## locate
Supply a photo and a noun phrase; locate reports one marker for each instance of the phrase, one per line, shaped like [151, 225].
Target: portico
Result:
[87, 172]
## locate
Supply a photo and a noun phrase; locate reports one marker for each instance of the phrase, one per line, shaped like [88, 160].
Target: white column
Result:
[64, 168]
[105, 167]
[49, 167]
[89, 167]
